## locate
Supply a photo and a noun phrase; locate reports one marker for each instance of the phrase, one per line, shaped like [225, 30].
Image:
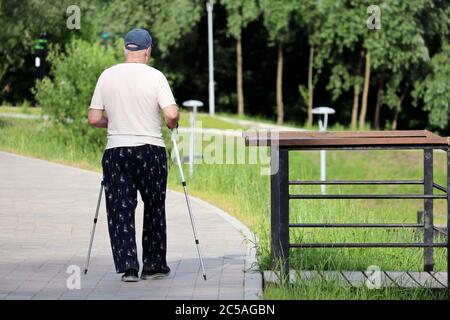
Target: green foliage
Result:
[411, 32]
[21, 23]
[25, 107]
[391, 94]
[303, 90]
[66, 96]
[398, 50]
[173, 19]
[399, 45]
[339, 30]
[167, 21]
[435, 89]
[278, 14]
[240, 14]
[340, 81]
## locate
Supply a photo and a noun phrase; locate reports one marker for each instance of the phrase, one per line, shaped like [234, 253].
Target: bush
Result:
[66, 95]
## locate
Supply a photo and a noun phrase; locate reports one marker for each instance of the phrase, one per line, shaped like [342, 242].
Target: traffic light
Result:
[40, 49]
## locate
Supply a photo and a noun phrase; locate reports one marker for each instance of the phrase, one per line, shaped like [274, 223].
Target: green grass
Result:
[293, 124]
[320, 290]
[260, 119]
[206, 121]
[241, 190]
[26, 109]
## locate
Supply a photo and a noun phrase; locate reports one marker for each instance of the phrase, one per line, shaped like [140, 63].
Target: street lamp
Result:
[194, 105]
[324, 111]
[209, 9]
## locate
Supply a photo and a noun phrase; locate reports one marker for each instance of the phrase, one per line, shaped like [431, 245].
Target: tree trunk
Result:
[239, 77]
[280, 106]
[362, 116]
[394, 121]
[310, 86]
[399, 109]
[356, 92]
[378, 105]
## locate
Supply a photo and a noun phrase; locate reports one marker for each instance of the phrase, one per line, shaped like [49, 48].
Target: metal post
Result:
[323, 125]
[279, 187]
[448, 220]
[192, 142]
[428, 209]
[323, 156]
[323, 170]
[210, 8]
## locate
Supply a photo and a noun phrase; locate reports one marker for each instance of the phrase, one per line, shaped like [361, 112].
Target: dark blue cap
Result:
[138, 39]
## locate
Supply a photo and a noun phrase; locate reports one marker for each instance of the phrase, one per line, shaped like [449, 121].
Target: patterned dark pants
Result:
[127, 170]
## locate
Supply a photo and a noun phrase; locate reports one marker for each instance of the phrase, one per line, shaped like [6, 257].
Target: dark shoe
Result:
[130, 275]
[155, 274]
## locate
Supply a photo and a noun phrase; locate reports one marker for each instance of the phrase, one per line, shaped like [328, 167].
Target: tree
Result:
[277, 17]
[240, 14]
[167, 21]
[171, 24]
[365, 97]
[339, 42]
[21, 23]
[434, 90]
[310, 16]
[398, 51]
[65, 96]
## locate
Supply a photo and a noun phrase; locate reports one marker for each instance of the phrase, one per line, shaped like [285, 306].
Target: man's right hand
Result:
[171, 116]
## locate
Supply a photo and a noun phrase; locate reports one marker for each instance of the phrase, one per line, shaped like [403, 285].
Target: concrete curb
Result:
[253, 280]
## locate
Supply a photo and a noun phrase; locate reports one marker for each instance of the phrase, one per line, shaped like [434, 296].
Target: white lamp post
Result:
[324, 111]
[194, 105]
[212, 103]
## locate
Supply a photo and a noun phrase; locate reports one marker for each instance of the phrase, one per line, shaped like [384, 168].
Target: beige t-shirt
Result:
[132, 94]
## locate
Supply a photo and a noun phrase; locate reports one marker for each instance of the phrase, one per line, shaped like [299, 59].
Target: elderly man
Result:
[132, 94]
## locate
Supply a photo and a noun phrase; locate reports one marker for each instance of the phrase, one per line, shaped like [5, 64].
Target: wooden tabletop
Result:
[346, 139]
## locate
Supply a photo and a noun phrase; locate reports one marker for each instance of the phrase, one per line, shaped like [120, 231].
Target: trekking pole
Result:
[183, 182]
[93, 227]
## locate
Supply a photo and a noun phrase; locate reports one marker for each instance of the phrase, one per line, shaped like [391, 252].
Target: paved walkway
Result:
[46, 213]
[255, 125]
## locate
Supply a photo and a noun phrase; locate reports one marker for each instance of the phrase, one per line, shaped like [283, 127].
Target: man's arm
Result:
[96, 118]
[171, 116]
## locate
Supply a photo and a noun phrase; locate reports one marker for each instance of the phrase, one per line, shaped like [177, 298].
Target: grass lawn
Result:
[202, 119]
[23, 109]
[241, 190]
[207, 121]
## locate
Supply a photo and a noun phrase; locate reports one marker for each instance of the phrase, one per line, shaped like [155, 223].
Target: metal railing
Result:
[280, 198]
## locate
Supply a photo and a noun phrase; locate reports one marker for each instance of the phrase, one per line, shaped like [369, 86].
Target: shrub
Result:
[66, 95]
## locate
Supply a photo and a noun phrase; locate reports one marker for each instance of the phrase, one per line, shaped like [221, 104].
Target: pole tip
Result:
[204, 277]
